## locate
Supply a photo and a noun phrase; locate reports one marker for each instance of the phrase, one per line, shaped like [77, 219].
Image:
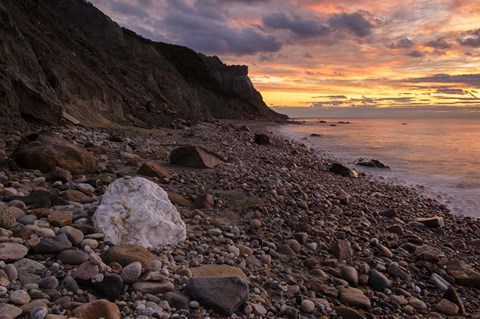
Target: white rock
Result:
[138, 211]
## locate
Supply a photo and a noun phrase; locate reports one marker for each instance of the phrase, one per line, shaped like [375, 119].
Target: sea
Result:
[439, 157]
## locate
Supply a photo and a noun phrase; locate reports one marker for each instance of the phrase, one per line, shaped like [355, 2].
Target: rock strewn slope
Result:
[67, 56]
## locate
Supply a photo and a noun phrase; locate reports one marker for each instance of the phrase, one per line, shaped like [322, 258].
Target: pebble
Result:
[131, 272]
[19, 297]
[307, 306]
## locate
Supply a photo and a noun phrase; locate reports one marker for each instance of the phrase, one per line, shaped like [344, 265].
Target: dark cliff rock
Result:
[67, 57]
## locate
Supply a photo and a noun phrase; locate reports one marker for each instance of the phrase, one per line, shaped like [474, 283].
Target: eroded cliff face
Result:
[67, 57]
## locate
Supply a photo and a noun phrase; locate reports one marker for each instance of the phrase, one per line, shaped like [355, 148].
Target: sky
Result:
[329, 54]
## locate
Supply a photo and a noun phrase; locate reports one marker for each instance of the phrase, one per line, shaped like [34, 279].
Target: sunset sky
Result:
[328, 53]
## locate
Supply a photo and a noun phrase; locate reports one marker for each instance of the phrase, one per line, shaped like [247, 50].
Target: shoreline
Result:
[301, 234]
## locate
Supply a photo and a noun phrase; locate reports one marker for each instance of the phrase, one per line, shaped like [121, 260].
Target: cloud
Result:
[416, 54]
[128, 9]
[454, 91]
[193, 26]
[351, 22]
[302, 27]
[438, 44]
[467, 79]
[404, 43]
[472, 40]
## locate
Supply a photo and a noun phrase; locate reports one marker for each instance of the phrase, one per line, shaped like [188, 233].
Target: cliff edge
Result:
[68, 59]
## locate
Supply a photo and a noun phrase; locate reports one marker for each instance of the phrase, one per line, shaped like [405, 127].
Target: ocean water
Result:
[440, 157]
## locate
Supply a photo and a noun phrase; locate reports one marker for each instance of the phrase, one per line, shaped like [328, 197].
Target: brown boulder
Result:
[60, 219]
[194, 156]
[45, 150]
[263, 139]
[463, 274]
[218, 271]
[97, 309]
[127, 254]
[153, 169]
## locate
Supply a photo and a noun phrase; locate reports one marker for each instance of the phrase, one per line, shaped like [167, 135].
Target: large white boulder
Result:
[138, 211]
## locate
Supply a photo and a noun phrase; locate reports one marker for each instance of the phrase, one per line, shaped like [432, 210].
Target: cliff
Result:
[60, 58]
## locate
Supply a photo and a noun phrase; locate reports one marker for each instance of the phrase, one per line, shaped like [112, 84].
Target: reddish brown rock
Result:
[194, 156]
[73, 195]
[45, 150]
[127, 254]
[60, 219]
[178, 199]
[342, 249]
[97, 309]
[153, 169]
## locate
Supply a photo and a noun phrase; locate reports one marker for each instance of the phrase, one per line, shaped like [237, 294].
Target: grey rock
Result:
[53, 245]
[439, 282]
[225, 295]
[72, 256]
[395, 270]
[27, 270]
[50, 282]
[73, 234]
[131, 272]
[177, 300]
[38, 313]
[377, 280]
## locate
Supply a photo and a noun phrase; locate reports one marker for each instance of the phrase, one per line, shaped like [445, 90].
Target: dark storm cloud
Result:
[298, 25]
[404, 43]
[472, 39]
[204, 28]
[468, 79]
[415, 54]
[438, 44]
[128, 9]
[218, 37]
[351, 22]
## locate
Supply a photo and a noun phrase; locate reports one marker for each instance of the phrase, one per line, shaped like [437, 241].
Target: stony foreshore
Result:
[270, 233]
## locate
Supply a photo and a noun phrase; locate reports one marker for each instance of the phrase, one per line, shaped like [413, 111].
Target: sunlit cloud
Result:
[325, 53]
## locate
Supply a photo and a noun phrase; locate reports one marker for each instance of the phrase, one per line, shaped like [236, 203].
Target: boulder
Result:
[194, 156]
[263, 139]
[224, 295]
[463, 274]
[153, 169]
[138, 211]
[97, 309]
[373, 163]
[432, 222]
[44, 151]
[219, 287]
[343, 170]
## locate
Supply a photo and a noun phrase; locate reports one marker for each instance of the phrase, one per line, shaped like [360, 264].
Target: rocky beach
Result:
[215, 220]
